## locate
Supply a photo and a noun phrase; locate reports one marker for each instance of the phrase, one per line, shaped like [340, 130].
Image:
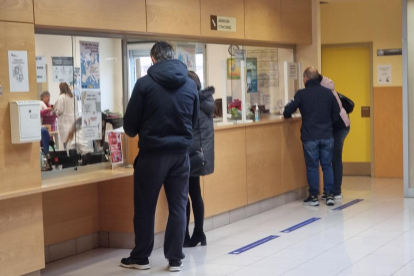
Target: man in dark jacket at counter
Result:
[319, 110]
[162, 110]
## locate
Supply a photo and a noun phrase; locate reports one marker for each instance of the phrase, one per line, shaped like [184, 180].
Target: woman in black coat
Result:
[203, 137]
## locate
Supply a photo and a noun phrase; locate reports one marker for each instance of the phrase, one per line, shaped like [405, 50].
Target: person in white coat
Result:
[65, 111]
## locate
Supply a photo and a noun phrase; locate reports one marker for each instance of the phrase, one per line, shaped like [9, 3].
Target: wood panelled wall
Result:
[119, 15]
[388, 132]
[270, 21]
[21, 219]
[16, 10]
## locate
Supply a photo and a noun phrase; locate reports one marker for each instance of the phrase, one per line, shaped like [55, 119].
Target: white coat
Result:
[65, 111]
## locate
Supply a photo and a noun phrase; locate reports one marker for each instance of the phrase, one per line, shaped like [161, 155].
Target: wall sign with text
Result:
[222, 23]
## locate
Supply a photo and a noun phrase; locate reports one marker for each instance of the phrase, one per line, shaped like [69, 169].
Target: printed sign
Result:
[293, 71]
[41, 69]
[62, 69]
[251, 66]
[186, 53]
[384, 74]
[89, 53]
[223, 23]
[91, 115]
[115, 147]
[18, 71]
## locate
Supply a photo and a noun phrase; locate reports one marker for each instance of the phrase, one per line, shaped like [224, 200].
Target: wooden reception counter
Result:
[255, 165]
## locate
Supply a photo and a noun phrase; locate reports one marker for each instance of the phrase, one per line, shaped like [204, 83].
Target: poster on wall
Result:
[90, 72]
[41, 69]
[18, 71]
[251, 66]
[186, 53]
[115, 147]
[62, 69]
[91, 115]
[233, 71]
[267, 67]
[77, 83]
[384, 74]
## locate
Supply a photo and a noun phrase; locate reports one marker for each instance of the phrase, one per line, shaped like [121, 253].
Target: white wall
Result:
[110, 64]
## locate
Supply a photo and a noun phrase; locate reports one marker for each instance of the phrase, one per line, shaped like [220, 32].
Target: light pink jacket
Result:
[328, 83]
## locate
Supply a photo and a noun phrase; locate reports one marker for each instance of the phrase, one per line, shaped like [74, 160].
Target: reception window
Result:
[80, 90]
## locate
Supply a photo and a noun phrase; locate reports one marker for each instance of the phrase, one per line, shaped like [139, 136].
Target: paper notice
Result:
[18, 71]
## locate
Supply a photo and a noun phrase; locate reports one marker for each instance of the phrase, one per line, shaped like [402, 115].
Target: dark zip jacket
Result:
[319, 109]
[203, 132]
[163, 109]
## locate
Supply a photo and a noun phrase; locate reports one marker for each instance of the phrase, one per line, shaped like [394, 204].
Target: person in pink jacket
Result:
[341, 129]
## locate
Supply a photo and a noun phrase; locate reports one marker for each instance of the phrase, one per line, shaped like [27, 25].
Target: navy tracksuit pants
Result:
[152, 170]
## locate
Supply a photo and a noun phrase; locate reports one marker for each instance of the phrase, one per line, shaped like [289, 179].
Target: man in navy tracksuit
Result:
[162, 110]
[319, 109]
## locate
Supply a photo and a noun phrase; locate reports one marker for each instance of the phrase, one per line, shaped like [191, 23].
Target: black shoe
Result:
[323, 196]
[141, 264]
[311, 201]
[330, 201]
[198, 237]
[175, 265]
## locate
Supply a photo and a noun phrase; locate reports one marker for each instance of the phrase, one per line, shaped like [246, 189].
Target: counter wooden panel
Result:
[264, 161]
[120, 15]
[19, 164]
[180, 17]
[297, 21]
[21, 236]
[388, 132]
[225, 189]
[263, 20]
[16, 10]
[228, 8]
[293, 165]
[116, 207]
[70, 213]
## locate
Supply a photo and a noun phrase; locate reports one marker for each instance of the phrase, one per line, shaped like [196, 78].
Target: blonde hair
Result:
[64, 89]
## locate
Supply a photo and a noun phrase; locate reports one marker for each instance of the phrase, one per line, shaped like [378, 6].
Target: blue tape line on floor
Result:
[348, 204]
[253, 245]
[300, 225]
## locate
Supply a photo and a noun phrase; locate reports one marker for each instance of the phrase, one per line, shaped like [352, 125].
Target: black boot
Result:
[186, 239]
[198, 237]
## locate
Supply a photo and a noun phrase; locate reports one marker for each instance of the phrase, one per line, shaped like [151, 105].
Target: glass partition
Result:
[81, 97]
[261, 81]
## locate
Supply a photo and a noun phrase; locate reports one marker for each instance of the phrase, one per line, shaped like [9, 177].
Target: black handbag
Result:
[347, 103]
[197, 160]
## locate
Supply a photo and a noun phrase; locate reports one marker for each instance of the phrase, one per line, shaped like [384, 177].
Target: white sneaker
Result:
[338, 196]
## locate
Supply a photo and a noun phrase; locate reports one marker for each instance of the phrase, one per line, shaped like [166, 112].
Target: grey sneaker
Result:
[330, 201]
[175, 265]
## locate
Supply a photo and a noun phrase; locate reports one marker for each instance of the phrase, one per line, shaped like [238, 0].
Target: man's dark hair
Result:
[192, 75]
[311, 73]
[162, 51]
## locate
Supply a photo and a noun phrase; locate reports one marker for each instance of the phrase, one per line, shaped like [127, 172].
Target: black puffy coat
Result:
[205, 130]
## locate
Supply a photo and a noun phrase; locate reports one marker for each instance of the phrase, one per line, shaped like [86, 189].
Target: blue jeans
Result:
[339, 139]
[319, 151]
[45, 140]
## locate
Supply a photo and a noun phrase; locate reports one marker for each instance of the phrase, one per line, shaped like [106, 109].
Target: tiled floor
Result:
[373, 237]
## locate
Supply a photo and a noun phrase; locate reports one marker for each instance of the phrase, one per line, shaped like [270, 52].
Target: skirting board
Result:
[357, 168]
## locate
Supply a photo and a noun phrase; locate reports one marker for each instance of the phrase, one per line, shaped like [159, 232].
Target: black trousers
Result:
[152, 170]
[198, 204]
